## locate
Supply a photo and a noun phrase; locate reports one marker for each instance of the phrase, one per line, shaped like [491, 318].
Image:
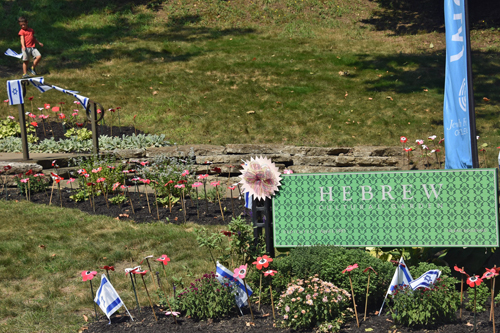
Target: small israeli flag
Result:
[224, 275]
[402, 277]
[248, 200]
[426, 279]
[14, 54]
[107, 298]
[15, 92]
[38, 83]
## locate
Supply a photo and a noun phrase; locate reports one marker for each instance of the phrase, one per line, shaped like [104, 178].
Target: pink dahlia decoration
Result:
[260, 177]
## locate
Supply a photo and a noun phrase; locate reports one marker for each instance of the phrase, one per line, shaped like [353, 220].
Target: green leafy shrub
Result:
[206, 298]
[483, 294]
[79, 133]
[311, 302]
[99, 167]
[436, 304]
[81, 195]
[328, 262]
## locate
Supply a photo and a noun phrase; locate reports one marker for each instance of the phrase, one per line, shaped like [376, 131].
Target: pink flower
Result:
[489, 273]
[441, 141]
[262, 262]
[115, 186]
[70, 180]
[350, 268]
[425, 147]
[217, 183]
[82, 171]
[146, 181]
[125, 171]
[76, 102]
[144, 163]
[88, 275]
[55, 109]
[403, 139]
[31, 115]
[164, 259]
[43, 116]
[111, 167]
[34, 124]
[185, 173]
[62, 116]
[474, 280]
[25, 180]
[100, 180]
[240, 272]
[231, 187]
[179, 186]
[432, 137]
[86, 175]
[11, 118]
[97, 170]
[75, 114]
[408, 149]
[46, 106]
[124, 187]
[419, 142]
[197, 184]
[203, 176]
[6, 101]
[173, 313]
[287, 171]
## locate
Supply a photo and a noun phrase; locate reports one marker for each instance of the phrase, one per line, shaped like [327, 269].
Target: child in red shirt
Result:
[28, 40]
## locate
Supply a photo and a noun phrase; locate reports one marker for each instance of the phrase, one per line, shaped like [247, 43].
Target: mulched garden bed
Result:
[212, 216]
[263, 322]
[55, 129]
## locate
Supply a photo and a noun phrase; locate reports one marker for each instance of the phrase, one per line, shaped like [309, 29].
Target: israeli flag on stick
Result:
[38, 83]
[426, 279]
[107, 298]
[248, 200]
[224, 275]
[14, 54]
[15, 92]
[402, 277]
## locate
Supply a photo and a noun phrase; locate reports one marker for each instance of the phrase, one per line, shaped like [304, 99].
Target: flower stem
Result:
[353, 300]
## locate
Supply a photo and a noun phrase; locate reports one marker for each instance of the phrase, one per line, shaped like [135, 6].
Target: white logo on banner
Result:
[462, 98]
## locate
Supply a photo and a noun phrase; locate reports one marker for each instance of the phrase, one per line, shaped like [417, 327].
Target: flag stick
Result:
[52, 192]
[157, 211]
[461, 295]
[260, 290]
[272, 301]
[107, 273]
[92, 294]
[147, 260]
[135, 293]
[353, 301]
[130, 200]
[475, 294]
[147, 292]
[147, 198]
[367, 291]
[248, 299]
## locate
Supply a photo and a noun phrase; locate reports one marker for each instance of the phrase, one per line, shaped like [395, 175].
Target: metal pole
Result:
[24, 137]
[472, 107]
[95, 135]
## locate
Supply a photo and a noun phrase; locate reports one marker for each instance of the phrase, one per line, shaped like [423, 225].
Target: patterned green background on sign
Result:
[401, 208]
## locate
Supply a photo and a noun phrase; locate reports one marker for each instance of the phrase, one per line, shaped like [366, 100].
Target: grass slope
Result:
[44, 251]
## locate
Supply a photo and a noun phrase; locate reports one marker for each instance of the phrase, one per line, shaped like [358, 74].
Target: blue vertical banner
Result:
[458, 113]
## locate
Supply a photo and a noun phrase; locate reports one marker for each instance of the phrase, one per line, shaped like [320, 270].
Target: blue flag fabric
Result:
[224, 275]
[14, 54]
[107, 298]
[15, 92]
[456, 95]
[426, 279]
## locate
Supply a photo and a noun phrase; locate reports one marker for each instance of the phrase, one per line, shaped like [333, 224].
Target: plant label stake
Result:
[152, 277]
[92, 296]
[368, 287]
[89, 275]
[349, 269]
[461, 295]
[272, 301]
[248, 299]
[130, 200]
[147, 197]
[157, 211]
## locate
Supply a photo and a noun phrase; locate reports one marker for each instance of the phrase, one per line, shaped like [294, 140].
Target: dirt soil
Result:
[140, 212]
[263, 322]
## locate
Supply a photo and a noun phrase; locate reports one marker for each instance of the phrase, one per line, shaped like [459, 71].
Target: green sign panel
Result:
[399, 208]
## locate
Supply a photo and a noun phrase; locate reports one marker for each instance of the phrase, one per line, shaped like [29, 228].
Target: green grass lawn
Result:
[44, 249]
[193, 69]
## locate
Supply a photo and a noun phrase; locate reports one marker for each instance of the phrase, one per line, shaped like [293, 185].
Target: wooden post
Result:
[95, 135]
[24, 135]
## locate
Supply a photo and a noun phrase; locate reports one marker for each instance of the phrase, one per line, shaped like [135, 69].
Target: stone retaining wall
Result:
[298, 159]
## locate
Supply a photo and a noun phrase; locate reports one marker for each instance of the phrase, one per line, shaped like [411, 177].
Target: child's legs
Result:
[36, 57]
[25, 66]
[36, 61]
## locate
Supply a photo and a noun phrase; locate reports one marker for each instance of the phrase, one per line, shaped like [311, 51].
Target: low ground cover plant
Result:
[311, 302]
[31, 181]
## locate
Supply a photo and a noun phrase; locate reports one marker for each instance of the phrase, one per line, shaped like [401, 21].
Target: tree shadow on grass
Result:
[410, 17]
[79, 45]
[409, 73]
